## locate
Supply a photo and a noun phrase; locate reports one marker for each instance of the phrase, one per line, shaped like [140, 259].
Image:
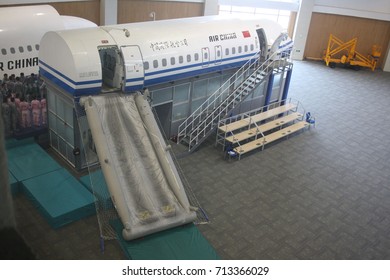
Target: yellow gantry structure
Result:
[350, 55]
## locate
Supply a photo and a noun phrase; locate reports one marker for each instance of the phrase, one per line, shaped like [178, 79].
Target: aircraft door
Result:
[263, 44]
[276, 46]
[205, 57]
[218, 55]
[133, 68]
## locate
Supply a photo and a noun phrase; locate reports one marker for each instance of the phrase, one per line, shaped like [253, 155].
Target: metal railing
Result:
[226, 98]
[215, 99]
[236, 144]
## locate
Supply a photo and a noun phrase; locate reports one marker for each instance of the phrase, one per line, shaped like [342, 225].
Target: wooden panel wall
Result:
[85, 9]
[291, 24]
[369, 32]
[139, 10]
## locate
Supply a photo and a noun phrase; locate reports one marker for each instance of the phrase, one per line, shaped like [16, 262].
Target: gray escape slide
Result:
[141, 177]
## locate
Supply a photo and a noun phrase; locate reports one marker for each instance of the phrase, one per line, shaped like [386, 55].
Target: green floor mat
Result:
[59, 197]
[100, 189]
[13, 143]
[14, 184]
[30, 160]
[181, 243]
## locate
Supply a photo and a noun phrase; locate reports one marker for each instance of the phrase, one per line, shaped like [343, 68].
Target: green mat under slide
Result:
[181, 243]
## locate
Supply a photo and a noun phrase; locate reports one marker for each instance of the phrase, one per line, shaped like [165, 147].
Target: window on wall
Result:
[276, 10]
[180, 102]
[61, 129]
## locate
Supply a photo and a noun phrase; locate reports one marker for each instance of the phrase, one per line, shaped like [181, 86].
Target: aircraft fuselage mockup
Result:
[134, 56]
[22, 28]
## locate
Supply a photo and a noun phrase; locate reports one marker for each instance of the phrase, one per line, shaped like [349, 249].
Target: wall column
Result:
[301, 31]
[386, 63]
[211, 8]
[108, 12]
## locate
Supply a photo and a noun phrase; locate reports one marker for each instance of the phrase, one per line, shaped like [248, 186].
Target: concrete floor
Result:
[321, 194]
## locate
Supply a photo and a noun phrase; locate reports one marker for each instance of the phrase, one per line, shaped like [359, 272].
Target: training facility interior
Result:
[320, 193]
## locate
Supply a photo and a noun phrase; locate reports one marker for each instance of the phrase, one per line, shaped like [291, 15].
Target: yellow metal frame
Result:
[351, 56]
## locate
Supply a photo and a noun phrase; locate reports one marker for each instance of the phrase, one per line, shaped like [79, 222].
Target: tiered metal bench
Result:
[256, 129]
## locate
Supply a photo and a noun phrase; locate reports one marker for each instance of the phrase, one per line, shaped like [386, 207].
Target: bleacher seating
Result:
[255, 129]
[264, 115]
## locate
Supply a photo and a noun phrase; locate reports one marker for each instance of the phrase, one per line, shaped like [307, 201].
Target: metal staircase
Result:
[203, 121]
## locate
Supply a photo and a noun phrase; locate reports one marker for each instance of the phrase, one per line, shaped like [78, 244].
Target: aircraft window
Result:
[37, 47]
[173, 61]
[246, 48]
[155, 63]
[239, 49]
[12, 50]
[21, 49]
[226, 51]
[188, 58]
[29, 48]
[218, 53]
[252, 47]
[181, 59]
[164, 62]
[206, 55]
[196, 57]
[234, 50]
[146, 65]
[4, 51]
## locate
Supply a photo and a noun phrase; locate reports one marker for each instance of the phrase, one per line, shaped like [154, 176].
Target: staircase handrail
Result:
[216, 95]
[228, 101]
[197, 115]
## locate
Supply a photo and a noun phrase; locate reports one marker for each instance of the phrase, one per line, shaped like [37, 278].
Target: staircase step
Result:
[185, 140]
[256, 76]
[250, 80]
[249, 87]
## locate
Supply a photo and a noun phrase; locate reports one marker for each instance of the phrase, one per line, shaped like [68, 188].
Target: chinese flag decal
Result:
[246, 34]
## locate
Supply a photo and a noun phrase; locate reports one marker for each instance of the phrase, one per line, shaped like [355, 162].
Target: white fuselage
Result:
[134, 56]
[22, 28]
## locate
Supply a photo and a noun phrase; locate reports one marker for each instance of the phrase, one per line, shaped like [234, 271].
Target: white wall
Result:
[386, 66]
[108, 12]
[18, 2]
[374, 9]
[291, 5]
[211, 7]
[301, 30]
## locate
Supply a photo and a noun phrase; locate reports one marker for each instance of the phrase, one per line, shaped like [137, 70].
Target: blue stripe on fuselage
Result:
[58, 77]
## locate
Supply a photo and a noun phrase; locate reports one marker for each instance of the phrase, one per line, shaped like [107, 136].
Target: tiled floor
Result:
[321, 194]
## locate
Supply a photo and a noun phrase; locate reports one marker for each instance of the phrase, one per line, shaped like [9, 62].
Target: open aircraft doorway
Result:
[263, 44]
[112, 68]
